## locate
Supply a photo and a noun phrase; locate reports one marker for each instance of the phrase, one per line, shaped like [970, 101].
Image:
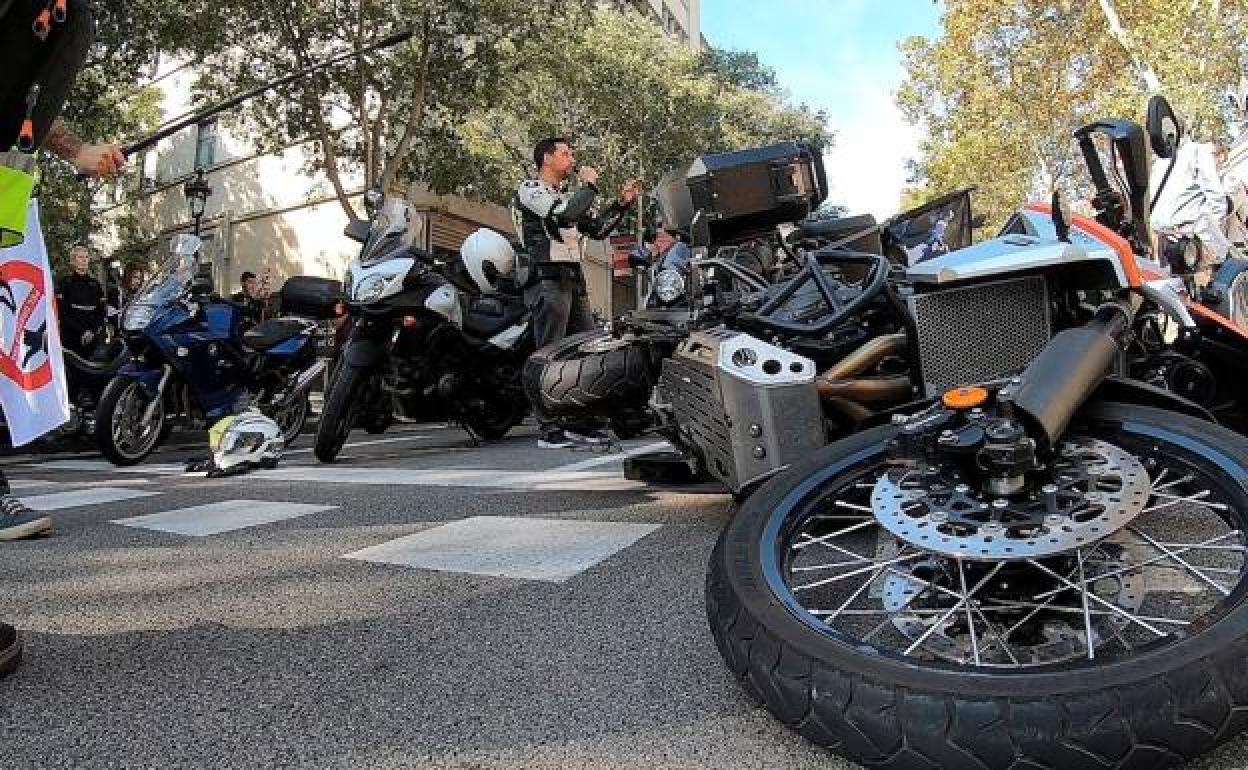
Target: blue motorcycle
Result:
[194, 362]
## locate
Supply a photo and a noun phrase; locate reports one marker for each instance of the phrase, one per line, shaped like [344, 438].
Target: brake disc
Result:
[1095, 490]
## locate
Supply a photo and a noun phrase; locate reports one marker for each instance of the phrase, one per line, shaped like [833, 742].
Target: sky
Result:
[840, 56]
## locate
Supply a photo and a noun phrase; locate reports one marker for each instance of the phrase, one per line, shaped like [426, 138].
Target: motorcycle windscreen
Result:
[934, 229]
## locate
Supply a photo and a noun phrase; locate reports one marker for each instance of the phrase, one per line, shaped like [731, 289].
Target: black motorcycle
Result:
[422, 341]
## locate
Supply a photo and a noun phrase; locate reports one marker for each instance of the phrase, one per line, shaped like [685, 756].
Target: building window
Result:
[206, 144]
[145, 172]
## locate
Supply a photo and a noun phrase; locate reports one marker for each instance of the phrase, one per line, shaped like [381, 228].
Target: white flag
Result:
[33, 391]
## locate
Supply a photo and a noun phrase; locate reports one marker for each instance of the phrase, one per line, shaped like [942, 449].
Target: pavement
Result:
[423, 603]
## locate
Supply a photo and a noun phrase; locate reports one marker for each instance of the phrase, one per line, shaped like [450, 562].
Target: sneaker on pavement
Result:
[10, 649]
[555, 439]
[592, 437]
[17, 521]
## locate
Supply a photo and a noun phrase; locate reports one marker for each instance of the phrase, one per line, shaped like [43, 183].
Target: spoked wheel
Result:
[125, 430]
[903, 617]
[292, 419]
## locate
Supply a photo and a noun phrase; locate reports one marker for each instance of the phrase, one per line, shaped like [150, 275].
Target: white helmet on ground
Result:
[488, 256]
[242, 442]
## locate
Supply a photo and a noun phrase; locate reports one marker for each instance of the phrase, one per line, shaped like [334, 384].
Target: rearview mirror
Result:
[1164, 131]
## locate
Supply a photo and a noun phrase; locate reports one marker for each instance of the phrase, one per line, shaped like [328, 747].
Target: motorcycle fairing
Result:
[1027, 243]
[196, 349]
[147, 377]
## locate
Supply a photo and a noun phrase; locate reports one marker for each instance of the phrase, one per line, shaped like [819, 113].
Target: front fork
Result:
[1004, 432]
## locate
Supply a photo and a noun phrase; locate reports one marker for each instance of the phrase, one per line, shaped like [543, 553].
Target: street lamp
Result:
[197, 191]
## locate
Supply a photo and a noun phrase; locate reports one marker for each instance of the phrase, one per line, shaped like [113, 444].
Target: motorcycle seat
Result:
[485, 317]
[269, 334]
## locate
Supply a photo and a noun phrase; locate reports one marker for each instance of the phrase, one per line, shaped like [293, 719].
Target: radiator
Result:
[981, 332]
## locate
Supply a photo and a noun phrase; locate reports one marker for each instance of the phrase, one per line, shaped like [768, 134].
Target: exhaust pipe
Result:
[867, 356]
[1074, 363]
[867, 390]
[843, 389]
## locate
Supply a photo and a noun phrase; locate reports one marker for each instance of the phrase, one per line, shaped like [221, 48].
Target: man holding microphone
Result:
[550, 222]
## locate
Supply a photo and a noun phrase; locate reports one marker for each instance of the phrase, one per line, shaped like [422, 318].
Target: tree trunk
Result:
[330, 158]
[415, 115]
[1123, 37]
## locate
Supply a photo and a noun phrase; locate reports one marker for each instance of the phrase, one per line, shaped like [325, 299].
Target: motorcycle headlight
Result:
[369, 289]
[669, 284]
[136, 317]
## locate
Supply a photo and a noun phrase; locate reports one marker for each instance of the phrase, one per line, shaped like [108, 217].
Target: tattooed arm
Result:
[62, 142]
[93, 159]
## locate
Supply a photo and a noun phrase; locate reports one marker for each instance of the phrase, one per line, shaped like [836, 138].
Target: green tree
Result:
[741, 68]
[391, 116]
[635, 103]
[1002, 88]
[105, 105]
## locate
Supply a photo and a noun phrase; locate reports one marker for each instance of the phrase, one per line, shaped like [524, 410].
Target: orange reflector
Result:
[409, 322]
[965, 398]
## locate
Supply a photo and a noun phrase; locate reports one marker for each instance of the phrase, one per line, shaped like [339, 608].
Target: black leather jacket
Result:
[549, 222]
[80, 301]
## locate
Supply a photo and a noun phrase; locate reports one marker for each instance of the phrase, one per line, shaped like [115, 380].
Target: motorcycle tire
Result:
[338, 415]
[573, 377]
[121, 393]
[1163, 703]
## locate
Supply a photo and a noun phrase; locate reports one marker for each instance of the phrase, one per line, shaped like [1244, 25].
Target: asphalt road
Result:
[422, 603]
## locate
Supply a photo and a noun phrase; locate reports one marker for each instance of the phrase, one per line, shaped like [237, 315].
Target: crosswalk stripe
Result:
[158, 469]
[583, 481]
[373, 442]
[81, 497]
[225, 516]
[552, 550]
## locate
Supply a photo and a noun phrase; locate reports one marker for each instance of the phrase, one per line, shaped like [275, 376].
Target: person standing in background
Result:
[80, 299]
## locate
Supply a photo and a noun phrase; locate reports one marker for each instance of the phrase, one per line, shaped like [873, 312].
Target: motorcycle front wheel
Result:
[121, 432]
[341, 409]
[861, 602]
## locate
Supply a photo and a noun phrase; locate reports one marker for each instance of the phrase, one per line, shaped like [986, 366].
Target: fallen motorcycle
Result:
[697, 282]
[425, 340]
[1038, 562]
[193, 361]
